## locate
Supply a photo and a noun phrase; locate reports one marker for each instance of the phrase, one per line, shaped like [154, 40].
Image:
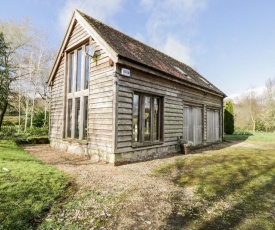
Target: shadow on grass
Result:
[244, 183]
[227, 219]
[228, 141]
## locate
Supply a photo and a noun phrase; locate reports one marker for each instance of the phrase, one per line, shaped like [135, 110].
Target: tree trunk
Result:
[19, 104]
[26, 117]
[45, 113]
[3, 113]
[32, 109]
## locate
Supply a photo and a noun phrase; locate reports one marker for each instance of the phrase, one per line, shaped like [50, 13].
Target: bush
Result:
[228, 118]
[38, 131]
[39, 119]
[7, 131]
[32, 136]
[32, 140]
[7, 123]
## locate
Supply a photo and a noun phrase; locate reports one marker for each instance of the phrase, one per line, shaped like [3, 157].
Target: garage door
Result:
[192, 126]
[213, 127]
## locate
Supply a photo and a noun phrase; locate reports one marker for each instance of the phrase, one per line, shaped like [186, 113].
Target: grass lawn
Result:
[28, 187]
[231, 188]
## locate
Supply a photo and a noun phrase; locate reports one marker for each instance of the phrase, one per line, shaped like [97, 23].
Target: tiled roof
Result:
[132, 49]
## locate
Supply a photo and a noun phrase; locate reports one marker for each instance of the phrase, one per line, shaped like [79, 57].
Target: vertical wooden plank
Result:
[185, 123]
[64, 123]
[198, 126]
[115, 112]
[204, 123]
[217, 126]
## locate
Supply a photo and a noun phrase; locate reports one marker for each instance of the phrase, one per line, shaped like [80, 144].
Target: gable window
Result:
[87, 67]
[79, 70]
[147, 119]
[71, 71]
[77, 94]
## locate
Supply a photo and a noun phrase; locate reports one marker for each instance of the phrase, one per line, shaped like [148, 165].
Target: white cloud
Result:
[256, 91]
[101, 10]
[171, 14]
[177, 50]
[171, 24]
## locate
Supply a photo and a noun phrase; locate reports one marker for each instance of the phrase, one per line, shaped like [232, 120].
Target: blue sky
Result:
[230, 42]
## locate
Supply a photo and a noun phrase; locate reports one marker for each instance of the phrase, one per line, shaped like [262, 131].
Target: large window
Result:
[77, 93]
[71, 71]
[147, 119]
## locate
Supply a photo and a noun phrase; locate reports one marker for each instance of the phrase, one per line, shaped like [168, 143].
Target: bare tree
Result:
[14, 39]
[268, 115]
[248, 108]
[43, 58]
[30, 58]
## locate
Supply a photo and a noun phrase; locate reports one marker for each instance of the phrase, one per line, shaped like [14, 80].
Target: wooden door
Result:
[213, 127]
[192, 126]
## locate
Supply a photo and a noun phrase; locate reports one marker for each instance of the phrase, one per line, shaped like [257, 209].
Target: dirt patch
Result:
[124, 197]
[244, 144]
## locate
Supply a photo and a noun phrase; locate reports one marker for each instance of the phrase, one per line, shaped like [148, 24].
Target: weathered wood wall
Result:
[175, 97]
[78, 35]
[57, 104]
[101, 109]
[110, 107]
[101, 94]
[58, 91]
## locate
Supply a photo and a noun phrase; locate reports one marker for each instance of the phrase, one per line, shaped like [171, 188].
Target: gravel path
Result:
[127, 197]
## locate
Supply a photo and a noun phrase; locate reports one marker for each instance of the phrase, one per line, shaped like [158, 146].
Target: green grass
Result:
[28, 187]
[258, 137]
[86, 209]
[234, 188]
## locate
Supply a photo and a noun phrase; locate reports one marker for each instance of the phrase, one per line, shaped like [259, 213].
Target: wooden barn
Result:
[119, 100]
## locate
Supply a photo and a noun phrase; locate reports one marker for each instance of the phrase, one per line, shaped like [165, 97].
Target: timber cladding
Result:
[120, 118]
[57, 105]
[176, 96]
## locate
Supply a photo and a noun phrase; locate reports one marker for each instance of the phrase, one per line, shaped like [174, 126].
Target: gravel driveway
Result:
[107, 197]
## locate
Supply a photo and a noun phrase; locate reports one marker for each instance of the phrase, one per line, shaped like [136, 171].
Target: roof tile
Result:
[135, 50]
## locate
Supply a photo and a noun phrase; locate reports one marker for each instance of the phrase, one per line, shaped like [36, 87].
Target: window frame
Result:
[141, 123]
[74, 95]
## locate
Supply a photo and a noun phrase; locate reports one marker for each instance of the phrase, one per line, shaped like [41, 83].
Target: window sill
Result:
[136, 145]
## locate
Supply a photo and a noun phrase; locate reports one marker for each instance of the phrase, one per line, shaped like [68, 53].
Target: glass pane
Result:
[87, 68]
[136, 118]
[71, 71]
[69, 118]
[77, 117]
[78, 74]
[147, 118]
[85, 120]
[156, 119]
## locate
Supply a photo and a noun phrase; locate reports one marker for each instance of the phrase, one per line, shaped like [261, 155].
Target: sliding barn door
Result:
[197, 126]
[213, 127]
[192, 128]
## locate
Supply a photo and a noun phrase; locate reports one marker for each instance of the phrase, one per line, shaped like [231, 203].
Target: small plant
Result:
[184, 145]
[185, 142]
[39, 119]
